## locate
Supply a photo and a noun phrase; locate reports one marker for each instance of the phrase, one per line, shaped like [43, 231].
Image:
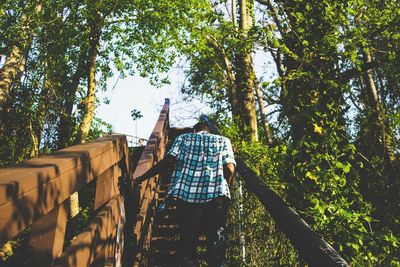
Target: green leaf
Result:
[346, 168]
[311, 176]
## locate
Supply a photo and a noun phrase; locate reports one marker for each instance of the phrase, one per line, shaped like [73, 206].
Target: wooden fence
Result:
[36, 194]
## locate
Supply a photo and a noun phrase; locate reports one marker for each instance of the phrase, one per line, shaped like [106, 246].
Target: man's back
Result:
[199, 177]
[203, 164]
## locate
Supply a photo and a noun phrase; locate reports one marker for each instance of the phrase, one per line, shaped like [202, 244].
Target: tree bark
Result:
[376, 113]
[234, 13]
[245, 76]
[265, 124]
[15, 59]
[7, 74]
[88, 102]
[230, 80]
[43, 105]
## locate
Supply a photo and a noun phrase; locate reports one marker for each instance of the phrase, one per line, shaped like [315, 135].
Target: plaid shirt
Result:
[199, 177]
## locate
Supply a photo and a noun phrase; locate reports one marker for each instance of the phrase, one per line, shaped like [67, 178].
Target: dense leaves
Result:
[335, 104]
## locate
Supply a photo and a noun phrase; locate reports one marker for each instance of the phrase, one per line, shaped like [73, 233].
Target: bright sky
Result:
[135, 92]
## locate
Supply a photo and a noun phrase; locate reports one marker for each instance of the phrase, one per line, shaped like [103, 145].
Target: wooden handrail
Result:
[315, 250]
[146, 197]
[35, 193]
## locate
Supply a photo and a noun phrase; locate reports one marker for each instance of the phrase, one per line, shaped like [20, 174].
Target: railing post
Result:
[47, 236]
[106, 186]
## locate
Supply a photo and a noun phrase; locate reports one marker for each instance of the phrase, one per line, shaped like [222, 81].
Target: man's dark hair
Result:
[201, 126]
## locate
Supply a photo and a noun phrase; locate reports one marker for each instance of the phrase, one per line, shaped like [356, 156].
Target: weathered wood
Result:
[153, 152]
[91, 242]
[106, 186]
[145, 162]
[106, 257]
[147, 203]
[16, 181]
[35, 187]
[47, 236]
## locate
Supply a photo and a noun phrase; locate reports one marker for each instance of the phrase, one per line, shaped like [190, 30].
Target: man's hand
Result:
[169, 162]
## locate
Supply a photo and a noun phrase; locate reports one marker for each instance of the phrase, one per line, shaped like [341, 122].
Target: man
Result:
[203, 165]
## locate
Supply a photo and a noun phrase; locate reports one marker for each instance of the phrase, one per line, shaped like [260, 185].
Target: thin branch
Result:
[347, 75]
[273, 11]
[355, 103]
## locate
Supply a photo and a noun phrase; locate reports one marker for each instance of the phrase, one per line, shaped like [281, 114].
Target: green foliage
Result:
[98, 128]
[136, 114]
[323, 188]
[48, 96]
[250, 225]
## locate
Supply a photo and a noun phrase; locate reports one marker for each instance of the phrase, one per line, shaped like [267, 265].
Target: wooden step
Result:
[165, 230]
[163, 258]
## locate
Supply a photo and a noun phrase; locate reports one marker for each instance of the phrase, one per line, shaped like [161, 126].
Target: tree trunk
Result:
[7, 74]
[234, 13]
[230, 79]
[43, 105]
[88, 102]
[376, 112]
[245, 76]
[15, 59]
[265, 124]
[65, 125]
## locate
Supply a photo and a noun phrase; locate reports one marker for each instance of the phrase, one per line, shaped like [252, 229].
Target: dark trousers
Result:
[209, 217]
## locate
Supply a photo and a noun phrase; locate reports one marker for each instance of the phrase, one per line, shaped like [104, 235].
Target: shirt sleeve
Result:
[227, 153]
[176, 147]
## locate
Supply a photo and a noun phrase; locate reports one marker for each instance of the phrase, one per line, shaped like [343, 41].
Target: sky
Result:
[135, 92]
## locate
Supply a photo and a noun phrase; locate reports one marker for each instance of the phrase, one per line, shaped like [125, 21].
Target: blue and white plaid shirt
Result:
[199, 176]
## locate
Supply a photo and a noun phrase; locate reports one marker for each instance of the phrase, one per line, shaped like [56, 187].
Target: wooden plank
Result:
[17, 214]
[16, 181]
[46, 239]
[125, 166]
[109, 250]
[145, 162]
[106, 186]
[94, 239]
[147, 202]
[106, 257]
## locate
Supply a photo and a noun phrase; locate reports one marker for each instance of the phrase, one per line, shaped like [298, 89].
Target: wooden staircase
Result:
[165, 232]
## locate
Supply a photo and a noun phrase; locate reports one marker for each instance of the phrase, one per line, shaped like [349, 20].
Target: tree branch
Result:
[347, 75]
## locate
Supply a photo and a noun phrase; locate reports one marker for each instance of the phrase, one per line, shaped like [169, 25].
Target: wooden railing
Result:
[146, 195]
[312, 248]
[36, 194]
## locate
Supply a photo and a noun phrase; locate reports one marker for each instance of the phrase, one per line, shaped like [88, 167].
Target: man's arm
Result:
[229, 172]
[169, 162]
